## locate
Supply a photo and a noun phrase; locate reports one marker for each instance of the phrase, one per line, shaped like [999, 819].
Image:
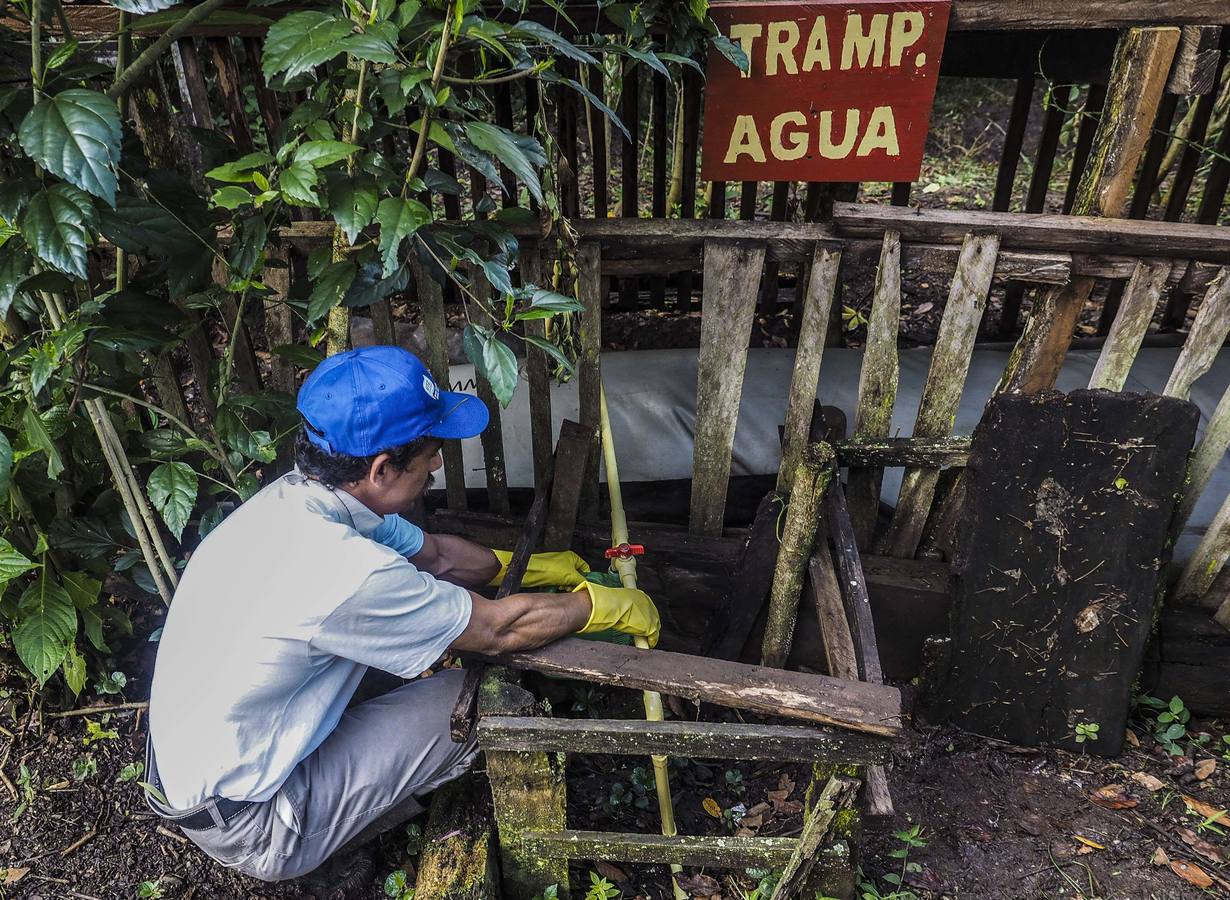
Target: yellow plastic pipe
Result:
[626, 569]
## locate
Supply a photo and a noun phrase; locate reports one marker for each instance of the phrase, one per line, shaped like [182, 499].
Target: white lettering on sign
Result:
[879, 132]
[881, 39]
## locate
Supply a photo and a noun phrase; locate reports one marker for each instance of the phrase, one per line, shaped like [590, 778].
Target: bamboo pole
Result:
[626, 567]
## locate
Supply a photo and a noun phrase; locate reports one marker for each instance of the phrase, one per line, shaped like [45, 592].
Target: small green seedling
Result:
[1086, 731]
[131, 772]
[84, 766]
[1170, 727]
[1213, 823]
[414, 839]
[601, 889]
[551, 893]
[395, 886]
[150, 889]
[911, 839]
[27, 790]
[95, 732]
[113, 683]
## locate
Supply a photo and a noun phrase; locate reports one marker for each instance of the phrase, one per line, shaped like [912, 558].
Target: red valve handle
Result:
[624, 551]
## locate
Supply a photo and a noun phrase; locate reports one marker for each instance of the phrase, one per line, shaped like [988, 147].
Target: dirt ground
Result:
[997, 821]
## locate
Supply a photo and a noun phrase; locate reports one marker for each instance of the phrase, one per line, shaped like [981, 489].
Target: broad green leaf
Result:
[148, 228]
[330, 288]
[42, 368]
[372, 45]
[56, 226]
[76, 136]
[300, 355]
[492, 360]
[15, 193]
[323, 153]
[73, 668]
[681, 60]
[93, 625]
[602, 107]
[303, 40]
[535, 31]
[83, 537]
[399, 218]
[81, 588]
[732, 52]
[649, 58]
[231, 197]
[14, 266]
[144, 7]
[40, 438]
[298, 184]
[553, 351]
[560, 303]
[370, 286]
[438, 134]
[6, 464]
[242, 170]
[210, 519]
[47, 624]
[247, 248]
[163, 443]
[62, 55]
[352, 203]
[521, 154]
[172, 489]
[12, 562]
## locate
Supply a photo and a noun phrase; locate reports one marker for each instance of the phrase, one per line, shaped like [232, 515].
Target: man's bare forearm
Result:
[523, 621]
[457, 560]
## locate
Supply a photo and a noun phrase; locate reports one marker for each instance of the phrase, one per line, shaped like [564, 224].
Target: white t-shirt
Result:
[277, 616]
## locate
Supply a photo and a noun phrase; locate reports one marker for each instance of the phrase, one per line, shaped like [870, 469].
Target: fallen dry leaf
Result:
[12, 876]
[1112, 796]
[924, 308]
[1092, 845]
[787, 807]
[1147, 781]
[711, 807]
[1131, 738]
[1160, 858]
[699, 885]
[785, 783]
[1032, 823]
[1200, 845]
[752, 821]
[611, 872]
[1209, 812]
[1191, 873]
[1205, 768]
[777, 795]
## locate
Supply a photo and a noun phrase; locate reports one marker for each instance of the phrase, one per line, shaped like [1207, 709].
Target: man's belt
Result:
[215, 812]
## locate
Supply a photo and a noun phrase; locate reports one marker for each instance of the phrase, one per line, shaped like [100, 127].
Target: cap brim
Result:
[465, 416]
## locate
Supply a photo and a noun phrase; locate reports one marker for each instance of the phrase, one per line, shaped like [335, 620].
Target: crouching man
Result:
[254, 743]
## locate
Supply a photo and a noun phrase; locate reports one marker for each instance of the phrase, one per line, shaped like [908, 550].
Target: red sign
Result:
[837, 91]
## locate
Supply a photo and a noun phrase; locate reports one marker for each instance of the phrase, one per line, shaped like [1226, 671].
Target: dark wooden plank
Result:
[901, 193]
[197, 97]
[537, 369]
[266, 100]
[629, 173]
[1155, 152]
[750, 582]
[599, 140]
[695, 740]
[857, 706]
[1090, 114]
[503, 118]
[589, 365]
[854, 584]
[1074, 234]
[1217, 182]
[572, 454]
[1056, 113]
[230, 86]
[715, 852]
[1180, 187]
[1014, 139]
[1195, 62]
[1050, 619]
[687, 195]
[569, 168]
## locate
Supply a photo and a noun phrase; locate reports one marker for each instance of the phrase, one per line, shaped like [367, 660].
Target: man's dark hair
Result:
[333, 469]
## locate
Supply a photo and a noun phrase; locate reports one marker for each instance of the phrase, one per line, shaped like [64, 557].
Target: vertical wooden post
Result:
[877, 385]
[821, 288]
[732, 276]
[528, 794]
[1208, 333]
[536, 371]
[941, 397]
[1137, 81]
[492, 437]
[431, 307]
[589, 369]
[811, 480]
[1131, 322]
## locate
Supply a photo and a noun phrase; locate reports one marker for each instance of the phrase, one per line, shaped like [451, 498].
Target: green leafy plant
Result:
[551, 892]
[84, 766]
[1086, 731]
[765, 881]
[1170, 723]
[94, 732]
[414, 839]
[910, 839]
[27, 790]
[734, 783]
[131, 772]
[151, 889]
[110, 683]
[601, 889]
[396, 886]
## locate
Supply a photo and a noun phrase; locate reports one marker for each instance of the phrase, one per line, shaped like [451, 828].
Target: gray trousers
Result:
[366, 777]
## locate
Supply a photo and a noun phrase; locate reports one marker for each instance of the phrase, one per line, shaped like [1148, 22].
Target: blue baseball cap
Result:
[365, 401]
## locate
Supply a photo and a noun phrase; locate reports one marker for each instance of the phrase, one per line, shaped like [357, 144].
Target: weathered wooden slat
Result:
[101, 20]
[247, 372]
[1131, 322]
[821, 289]
[839, 655]
[1081, 233]
[869, 708]
[749, 582]
[537, 374]
[230, 87]
[1208, 453]
[836, 795]
[811, 479]
[570, 464]
[589, 366]
[877, 384]
[1089, 116]
[1207, 561]
[458, 861]
[1195, 62]
[1142, 60]
[1208, 333]
[695, 740]
[435, 330]
[279, 324]
[714, 852]
[909, 452]
[941, 396]
[732, 276]
[1058, 104]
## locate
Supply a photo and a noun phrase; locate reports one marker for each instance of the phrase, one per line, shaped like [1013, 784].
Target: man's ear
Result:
[380, 469]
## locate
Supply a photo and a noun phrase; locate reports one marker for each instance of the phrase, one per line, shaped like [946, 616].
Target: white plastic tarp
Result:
[651, 395]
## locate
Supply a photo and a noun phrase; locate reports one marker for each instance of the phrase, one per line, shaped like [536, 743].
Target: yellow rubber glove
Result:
[624, 609]
[561, 569]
